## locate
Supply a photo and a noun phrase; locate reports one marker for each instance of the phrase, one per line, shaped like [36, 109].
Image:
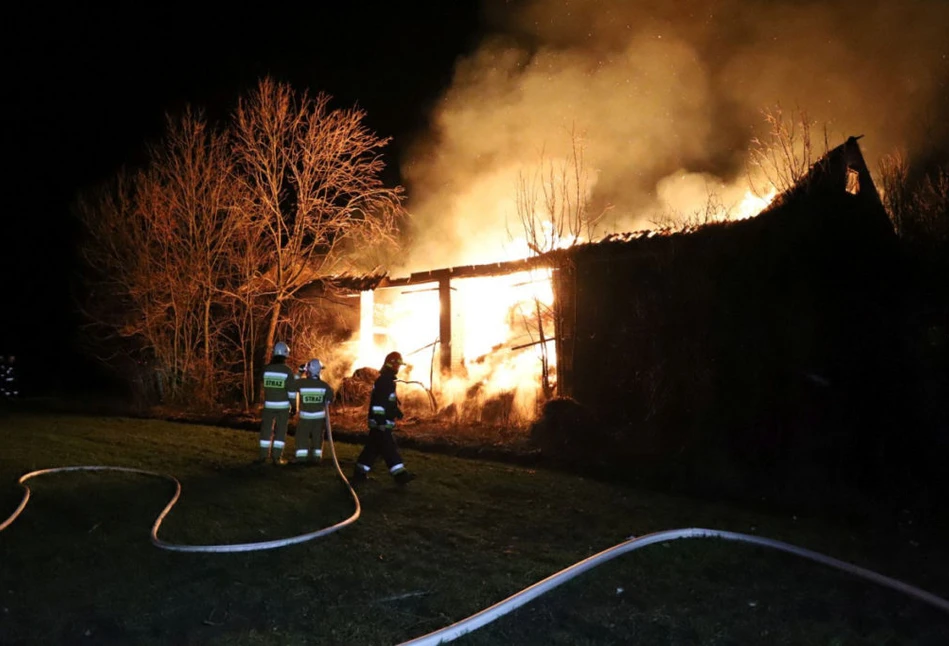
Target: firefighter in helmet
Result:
[315, 398]
[280, 396]
[383, 411]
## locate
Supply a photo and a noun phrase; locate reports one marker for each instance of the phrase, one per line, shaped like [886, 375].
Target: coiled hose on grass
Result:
[177, 547]
[488, 615]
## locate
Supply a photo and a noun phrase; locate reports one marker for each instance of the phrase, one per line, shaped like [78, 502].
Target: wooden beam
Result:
[465, 271]
[444, 322]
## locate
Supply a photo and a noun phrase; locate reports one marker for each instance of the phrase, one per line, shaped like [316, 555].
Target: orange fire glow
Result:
[496, 332]
[497, 326]
[752, 204]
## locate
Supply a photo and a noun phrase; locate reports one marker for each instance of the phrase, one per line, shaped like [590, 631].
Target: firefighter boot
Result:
[404, 477]
[316, 457]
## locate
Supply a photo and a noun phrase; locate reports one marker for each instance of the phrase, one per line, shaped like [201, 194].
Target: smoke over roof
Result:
[666, 99]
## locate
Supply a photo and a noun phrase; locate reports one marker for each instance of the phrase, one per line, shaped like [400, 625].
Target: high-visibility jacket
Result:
[280, 388]
[383, 403]
[315, 396]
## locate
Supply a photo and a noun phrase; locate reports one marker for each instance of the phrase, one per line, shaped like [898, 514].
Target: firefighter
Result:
[315, 398]
[280, 395]
[383, 411]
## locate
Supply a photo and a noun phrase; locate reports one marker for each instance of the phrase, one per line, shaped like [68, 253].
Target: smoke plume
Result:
[667, 97]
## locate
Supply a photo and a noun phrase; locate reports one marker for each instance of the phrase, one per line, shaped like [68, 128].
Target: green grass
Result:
[77, 567]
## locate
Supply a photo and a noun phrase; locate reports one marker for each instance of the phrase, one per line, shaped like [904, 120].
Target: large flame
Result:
[501, 326]
[502, 334]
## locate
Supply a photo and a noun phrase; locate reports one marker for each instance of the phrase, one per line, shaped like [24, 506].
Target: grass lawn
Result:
[77, 567]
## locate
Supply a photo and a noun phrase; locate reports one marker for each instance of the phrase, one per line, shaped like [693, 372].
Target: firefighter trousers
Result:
[273, 426]
[310, 435]
[380, 442]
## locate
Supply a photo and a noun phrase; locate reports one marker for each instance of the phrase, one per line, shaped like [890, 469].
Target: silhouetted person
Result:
[383, 411]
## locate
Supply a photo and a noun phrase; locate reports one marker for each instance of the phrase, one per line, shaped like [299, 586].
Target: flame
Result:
[502, 326]
[497, 328]
[545, 238]
[753, 204]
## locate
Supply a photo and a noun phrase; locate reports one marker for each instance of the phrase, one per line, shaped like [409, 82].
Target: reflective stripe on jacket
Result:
[315, 396]
[280, 387]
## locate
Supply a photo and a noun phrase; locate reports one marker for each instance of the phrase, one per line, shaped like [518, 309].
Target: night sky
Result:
[669, 96]
[86, 89]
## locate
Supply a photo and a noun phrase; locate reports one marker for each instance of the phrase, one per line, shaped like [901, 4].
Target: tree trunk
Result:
[269, 341]
[272, 328]
[208, 371]
[250, 354]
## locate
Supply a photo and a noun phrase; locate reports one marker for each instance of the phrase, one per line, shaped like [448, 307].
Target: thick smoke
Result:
[667, 96]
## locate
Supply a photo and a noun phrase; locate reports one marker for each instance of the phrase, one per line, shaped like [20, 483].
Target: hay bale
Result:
[366, 375]
[355, 390]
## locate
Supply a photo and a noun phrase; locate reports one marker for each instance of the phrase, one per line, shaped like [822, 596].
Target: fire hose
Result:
[517, 600]
[492, 613]
[178, 547]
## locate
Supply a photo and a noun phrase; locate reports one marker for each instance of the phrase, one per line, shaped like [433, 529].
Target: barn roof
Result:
[839, 174]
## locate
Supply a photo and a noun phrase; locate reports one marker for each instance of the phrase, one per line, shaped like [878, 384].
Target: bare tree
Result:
[320, 330]
[553, 201]
[553, 210]
[218, 232]
[783, 156]
[126, 304]
[190, 172]
[309, 177]
[917, 206]
[160, 246]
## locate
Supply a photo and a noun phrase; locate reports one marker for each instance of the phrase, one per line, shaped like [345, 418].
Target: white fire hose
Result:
[498, 610]
[177, 547]
[517, 600]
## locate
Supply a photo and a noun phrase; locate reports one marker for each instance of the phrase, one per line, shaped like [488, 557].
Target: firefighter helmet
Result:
[281, 349]
[313, 367]
[394, 360]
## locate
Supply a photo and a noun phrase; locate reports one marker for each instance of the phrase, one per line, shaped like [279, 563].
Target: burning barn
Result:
[763, 326]
[755, 332]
